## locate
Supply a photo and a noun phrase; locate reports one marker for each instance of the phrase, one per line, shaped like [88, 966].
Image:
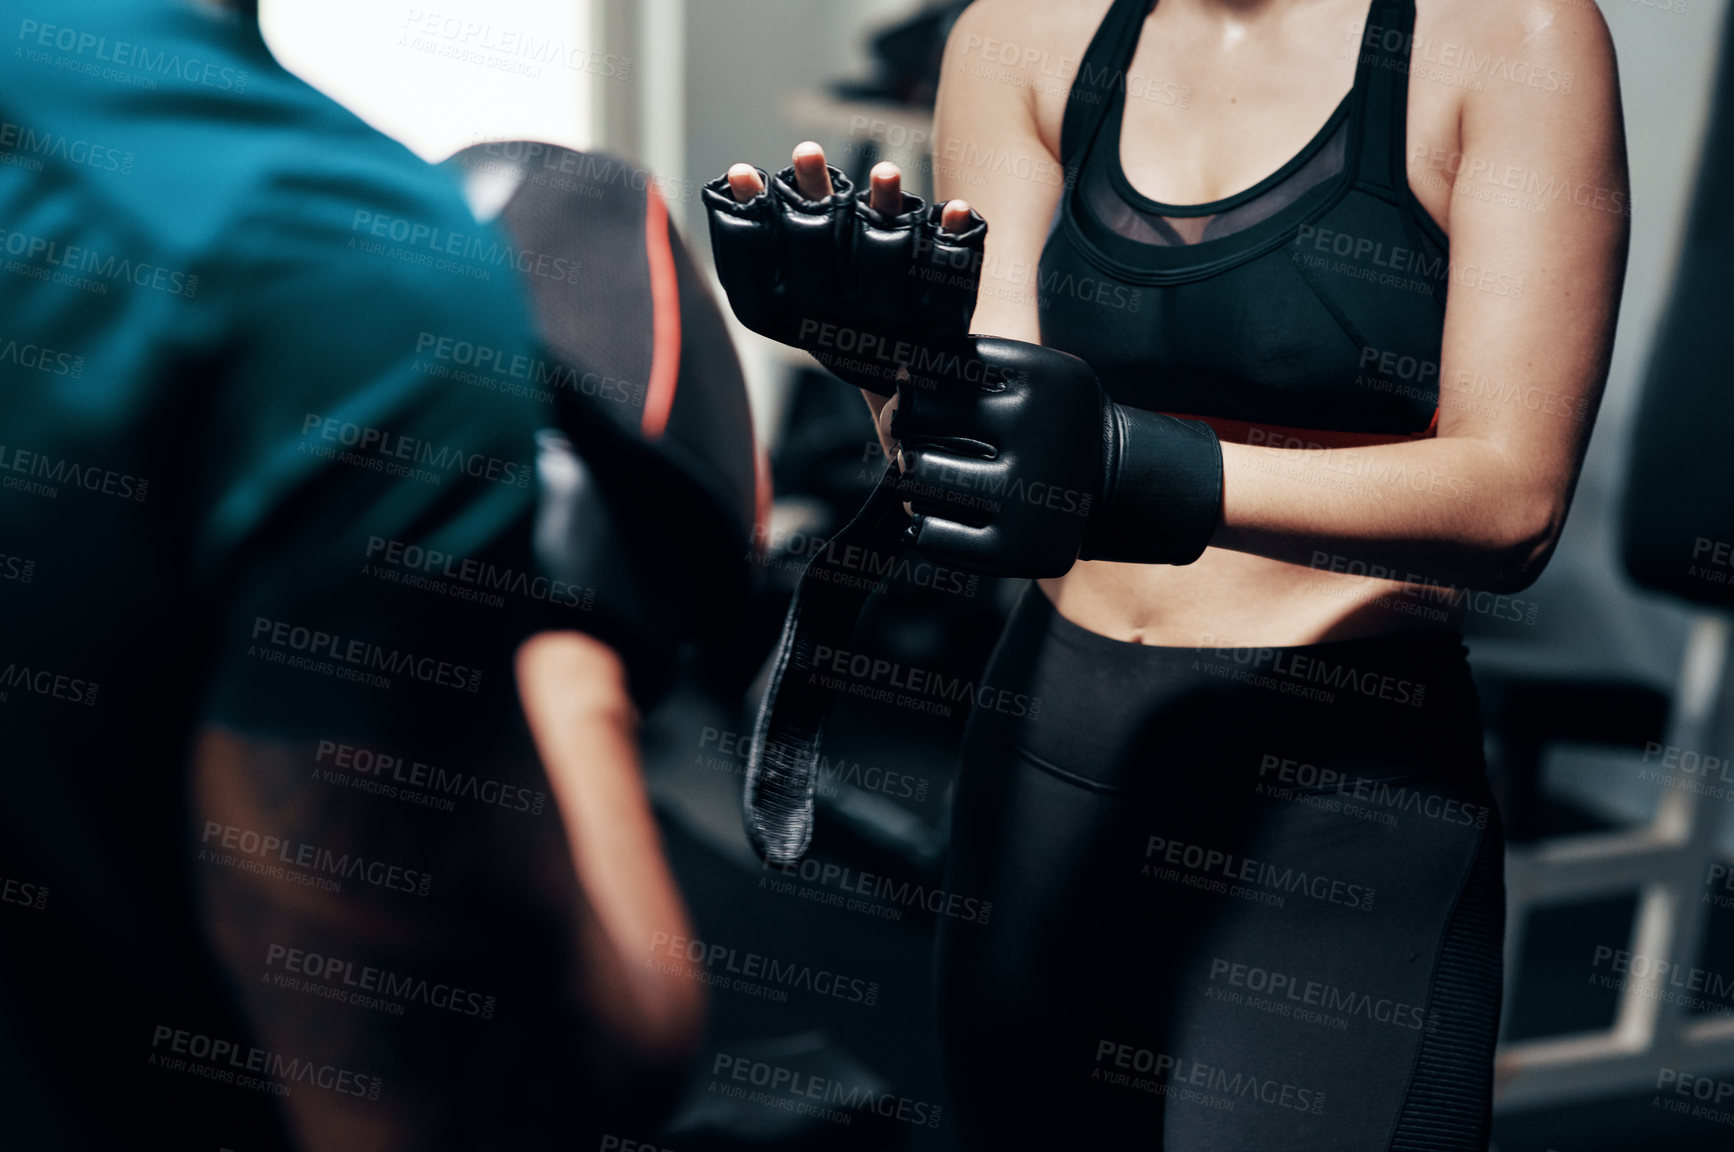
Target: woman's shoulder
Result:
[1538, 44]
[1034, 47]
[1060, 30]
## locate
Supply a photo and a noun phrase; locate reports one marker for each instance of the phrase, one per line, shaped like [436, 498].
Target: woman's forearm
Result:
[1452, 510]
[1455, 510]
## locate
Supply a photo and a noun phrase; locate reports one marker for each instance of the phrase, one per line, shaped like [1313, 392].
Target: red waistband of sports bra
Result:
[1283, 436]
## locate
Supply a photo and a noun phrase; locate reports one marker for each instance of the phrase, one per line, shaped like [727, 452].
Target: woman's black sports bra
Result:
[1313, 300]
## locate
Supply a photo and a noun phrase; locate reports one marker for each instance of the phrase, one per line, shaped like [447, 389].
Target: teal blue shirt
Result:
[267, 406]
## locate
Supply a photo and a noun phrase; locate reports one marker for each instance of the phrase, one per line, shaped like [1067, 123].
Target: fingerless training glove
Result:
[864, 292]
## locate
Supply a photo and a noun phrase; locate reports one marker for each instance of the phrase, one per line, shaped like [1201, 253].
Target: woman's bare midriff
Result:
[1236, 600]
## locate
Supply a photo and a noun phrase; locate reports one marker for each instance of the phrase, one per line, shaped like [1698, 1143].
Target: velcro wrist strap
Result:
[1163, 496]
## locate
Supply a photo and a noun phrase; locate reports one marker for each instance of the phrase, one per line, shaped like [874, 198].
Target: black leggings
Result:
[1243, 900]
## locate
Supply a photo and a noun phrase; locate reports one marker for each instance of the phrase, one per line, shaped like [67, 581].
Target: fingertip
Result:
[812, 176]
[955, 217]
[744, 182]
[886, 192]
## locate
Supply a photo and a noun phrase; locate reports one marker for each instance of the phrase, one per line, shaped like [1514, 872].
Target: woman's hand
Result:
[867, 283]
[813, 180]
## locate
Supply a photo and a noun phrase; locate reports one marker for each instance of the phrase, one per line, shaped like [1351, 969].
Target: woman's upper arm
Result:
[1538, 229]
[990, 150]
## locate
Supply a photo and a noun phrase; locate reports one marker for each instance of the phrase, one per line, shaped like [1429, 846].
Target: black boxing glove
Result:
[1016, 463]
[863, 292]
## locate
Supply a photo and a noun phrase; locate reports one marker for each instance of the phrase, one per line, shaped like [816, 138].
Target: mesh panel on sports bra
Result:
[1098, 196]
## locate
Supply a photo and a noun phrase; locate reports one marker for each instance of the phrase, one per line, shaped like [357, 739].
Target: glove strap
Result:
[1163, 497]
[782, 766]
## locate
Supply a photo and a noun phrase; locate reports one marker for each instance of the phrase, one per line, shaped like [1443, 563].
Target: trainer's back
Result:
[226, 416]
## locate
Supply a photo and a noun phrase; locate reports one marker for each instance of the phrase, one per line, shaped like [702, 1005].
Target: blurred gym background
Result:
[1609, 699]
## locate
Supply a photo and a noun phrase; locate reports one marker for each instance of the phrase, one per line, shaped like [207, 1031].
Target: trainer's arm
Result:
[574, 694]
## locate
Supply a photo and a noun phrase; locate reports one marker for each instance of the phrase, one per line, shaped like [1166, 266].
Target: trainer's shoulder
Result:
[307, 150]
[321, 185]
